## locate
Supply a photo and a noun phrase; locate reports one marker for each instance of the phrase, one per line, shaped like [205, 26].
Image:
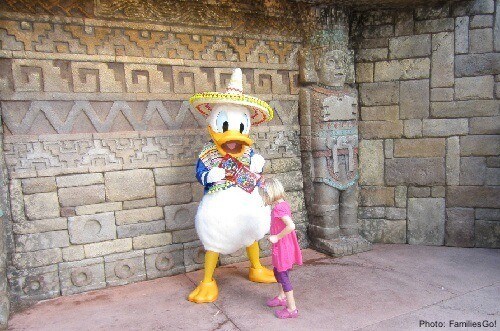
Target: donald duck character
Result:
[228, 217]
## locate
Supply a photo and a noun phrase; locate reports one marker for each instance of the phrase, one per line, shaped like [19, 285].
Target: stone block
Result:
[393, 213]
[487, 234]
[39, 185]
[73, 253]
[438, 192]
[488, 214]
[442, 74]
[292, 181]
[442, 94]
[462, 35]
[378, 31]
[376, 196]
[68, 211]
[39, 241]
[473, 7]
[152, 240]
[425, 147]
[434, 26]
[414, 99]
[198, 191]
[400, 194]
[371, 212]
[83, 195]
[37, 259]
[80, 180]
[380, 113]
[124, 268]
[129, 185]
[82, 276]
[45, 225]
[380, 129]
[470, 108]
[238, 256]
[375, 94]
[404, 23]
[180, 217]
[419, 192]
[92, 228]
[139, 229]
[493, 162]
[472, 170]
[34, 283]
[98, 208]
[174, 175]
[173, 194]
[402, 69]
[477, 64]
[459, 230]
[445, 127]
[410, 46]
[364, 73]
[164, 261]
[17, 208]
[194, 256]
[481, 41]
[41, 205]
[416, 171]
[413, 128]
[473, 196]
[480, 145]
[124, 217]
[389, 148]
[371, 160]
[383, 231]
[107, 247]
[492, 176]
[480, 87]
[481, 21]
[432, 11]
[452, 161]
[426, 221]
[286, 164]
[141, 203]
[484, 125]
[184, 236]
[496, 28]
[374, 54]
[296, 200]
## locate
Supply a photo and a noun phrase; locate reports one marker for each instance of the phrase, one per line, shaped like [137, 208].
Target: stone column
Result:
[4, 217]
[329, 132]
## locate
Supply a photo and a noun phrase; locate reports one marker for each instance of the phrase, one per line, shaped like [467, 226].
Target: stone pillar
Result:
[4, 215]
[329, 132]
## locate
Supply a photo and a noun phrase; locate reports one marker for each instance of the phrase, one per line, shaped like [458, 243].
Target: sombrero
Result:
[260, 111]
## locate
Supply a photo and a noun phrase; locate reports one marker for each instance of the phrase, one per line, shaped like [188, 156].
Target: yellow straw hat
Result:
[260, 111]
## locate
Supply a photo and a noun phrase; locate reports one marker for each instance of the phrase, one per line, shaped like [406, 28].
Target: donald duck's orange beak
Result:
[230, 142]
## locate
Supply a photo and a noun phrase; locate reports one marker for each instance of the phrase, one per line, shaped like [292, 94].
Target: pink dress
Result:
[286, 252]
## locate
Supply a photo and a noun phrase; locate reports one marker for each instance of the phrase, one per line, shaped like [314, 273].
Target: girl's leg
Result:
[288, 289]
[277, 274]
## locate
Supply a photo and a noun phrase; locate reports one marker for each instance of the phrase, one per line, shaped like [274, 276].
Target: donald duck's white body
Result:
[231, 219]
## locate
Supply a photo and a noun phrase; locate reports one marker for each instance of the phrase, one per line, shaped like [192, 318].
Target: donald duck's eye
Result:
[242, 127]
[222, 122]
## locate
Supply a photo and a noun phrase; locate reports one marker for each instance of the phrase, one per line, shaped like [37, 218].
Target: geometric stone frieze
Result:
[56, 154]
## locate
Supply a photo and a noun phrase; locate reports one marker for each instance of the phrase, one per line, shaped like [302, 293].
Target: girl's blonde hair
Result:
[271, 190]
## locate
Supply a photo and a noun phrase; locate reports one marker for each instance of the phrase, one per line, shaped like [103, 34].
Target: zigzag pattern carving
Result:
[172, 114]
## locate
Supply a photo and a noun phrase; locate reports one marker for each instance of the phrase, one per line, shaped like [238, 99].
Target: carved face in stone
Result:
[334, 67]
[339, 108]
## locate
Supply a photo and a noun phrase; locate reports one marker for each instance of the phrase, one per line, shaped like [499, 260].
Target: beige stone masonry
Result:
[425, 147]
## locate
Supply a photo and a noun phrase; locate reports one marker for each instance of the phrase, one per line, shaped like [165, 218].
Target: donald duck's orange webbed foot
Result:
[261, 275]
[205, 292]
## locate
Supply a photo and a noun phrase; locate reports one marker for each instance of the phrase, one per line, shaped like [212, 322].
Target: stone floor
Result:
[392, 287]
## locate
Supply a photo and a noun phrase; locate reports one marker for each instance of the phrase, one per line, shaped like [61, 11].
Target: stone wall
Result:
[429, 151]
[100, 142]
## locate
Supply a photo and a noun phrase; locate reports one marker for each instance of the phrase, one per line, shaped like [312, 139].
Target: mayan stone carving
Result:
[329, 128]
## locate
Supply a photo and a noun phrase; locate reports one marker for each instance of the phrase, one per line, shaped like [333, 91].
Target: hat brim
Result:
[260, 111]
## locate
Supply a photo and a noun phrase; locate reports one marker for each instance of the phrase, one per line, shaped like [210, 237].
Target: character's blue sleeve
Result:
[201, 173]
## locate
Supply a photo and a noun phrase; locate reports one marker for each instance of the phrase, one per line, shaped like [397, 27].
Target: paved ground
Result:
[392, 287]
